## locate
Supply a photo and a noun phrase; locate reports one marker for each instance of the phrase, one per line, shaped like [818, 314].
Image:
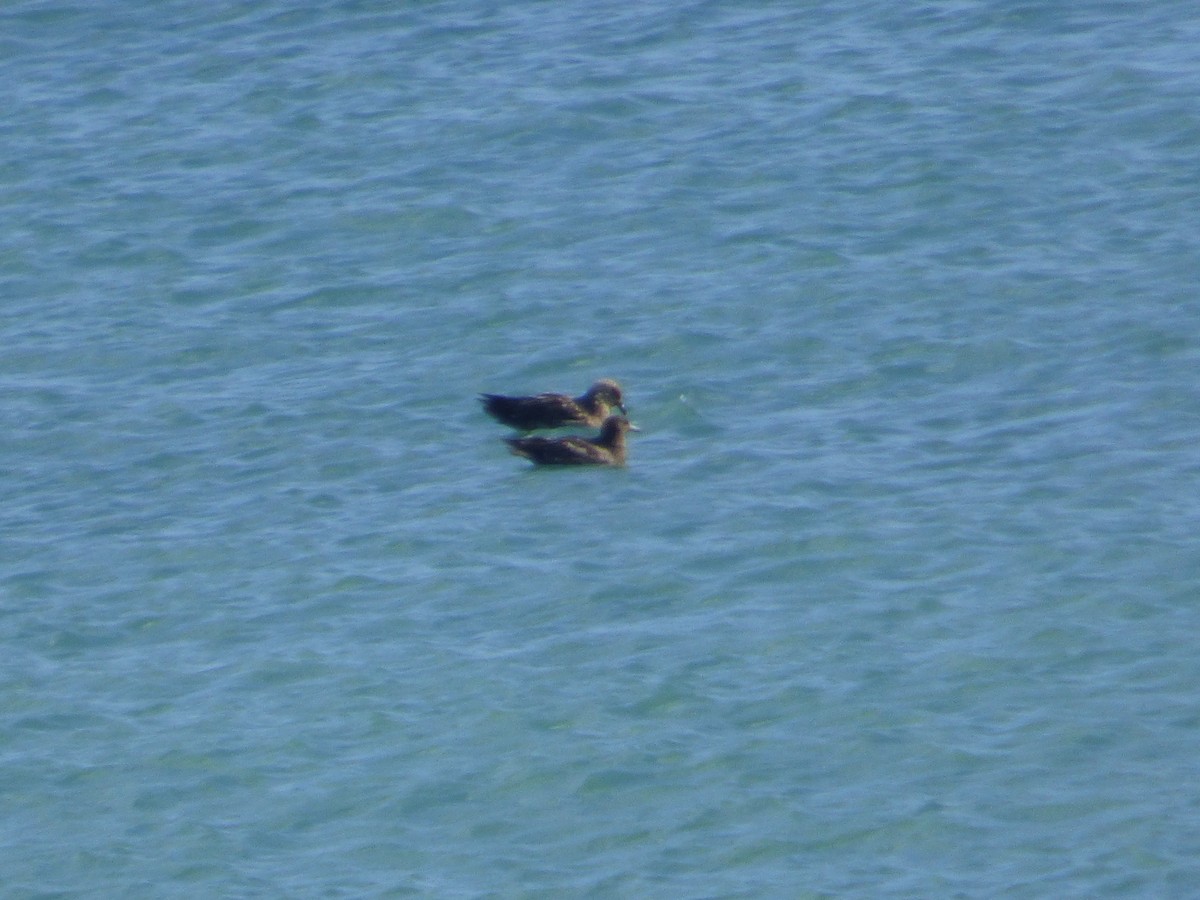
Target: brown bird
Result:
[556, 410]
[607, 449]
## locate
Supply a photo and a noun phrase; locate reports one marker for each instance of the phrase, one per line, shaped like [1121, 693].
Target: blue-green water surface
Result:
[897, 597]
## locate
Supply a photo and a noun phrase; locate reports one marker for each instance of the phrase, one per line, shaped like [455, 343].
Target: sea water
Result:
[897, 596]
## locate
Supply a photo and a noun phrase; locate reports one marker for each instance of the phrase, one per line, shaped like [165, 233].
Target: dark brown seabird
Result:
[606, 449]
[556, 410]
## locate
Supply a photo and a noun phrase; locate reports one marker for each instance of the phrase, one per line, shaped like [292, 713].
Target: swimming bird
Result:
[556, 410]
[606, 449]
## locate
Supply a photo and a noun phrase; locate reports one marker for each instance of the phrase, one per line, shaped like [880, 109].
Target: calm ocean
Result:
[898, 596]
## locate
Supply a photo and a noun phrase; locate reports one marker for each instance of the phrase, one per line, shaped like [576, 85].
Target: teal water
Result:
[896, 598]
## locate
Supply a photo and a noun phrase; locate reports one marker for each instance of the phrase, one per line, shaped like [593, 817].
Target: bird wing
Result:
[581, 450]
[558, 406]
[562, 452]
[528, 413]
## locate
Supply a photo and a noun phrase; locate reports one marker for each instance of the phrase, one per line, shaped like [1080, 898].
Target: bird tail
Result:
[516, 446]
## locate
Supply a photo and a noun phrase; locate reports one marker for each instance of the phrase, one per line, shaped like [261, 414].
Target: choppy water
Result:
[896, 598]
